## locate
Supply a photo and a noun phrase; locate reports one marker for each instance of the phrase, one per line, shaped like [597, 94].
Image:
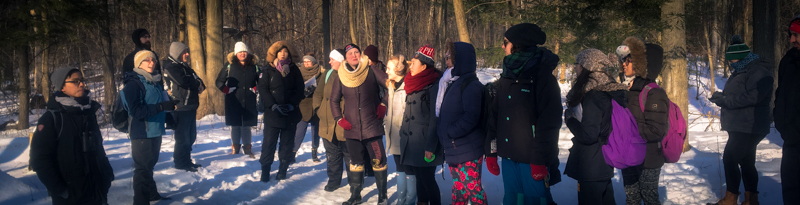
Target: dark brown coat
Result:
[363, 103]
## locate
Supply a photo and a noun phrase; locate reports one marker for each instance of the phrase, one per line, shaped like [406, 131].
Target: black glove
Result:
[231, 82]
[310, 90]
[716, 98]
[277, 108]
[167, 105]
[286, 108]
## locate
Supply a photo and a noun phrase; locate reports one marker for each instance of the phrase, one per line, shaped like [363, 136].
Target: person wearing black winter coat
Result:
[589, 119]
[786, 112]
[641, 64]
[67, 151]
[236, 82]
[525, 117]
[459, 128]
[744, 104]
[186, 86]
[281, 88]
[141, 40]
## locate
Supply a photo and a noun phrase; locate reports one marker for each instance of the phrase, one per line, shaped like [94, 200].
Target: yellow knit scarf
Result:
[355, 78]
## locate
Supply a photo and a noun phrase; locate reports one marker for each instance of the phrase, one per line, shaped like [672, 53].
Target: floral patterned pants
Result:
[467, 186]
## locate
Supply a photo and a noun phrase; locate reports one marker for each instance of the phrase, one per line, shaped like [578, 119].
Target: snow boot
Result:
[381, 180]
[314, 155]
[356, 184]
[235, 148]
[750, 198]
[368, 171]
[294, 158]
[729, 199]
[401, 188]
[248, 150]
[282, 169]
[411, 183]
[265, 173]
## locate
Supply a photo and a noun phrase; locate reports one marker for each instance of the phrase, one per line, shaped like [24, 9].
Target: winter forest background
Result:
[39, 36]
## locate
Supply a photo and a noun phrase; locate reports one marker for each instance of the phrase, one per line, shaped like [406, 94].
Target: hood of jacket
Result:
[135, 37]
[464, 61]
[272, 53]
[638, 55]
[252, 59]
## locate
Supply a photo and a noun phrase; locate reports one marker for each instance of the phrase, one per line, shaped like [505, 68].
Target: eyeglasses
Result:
[147, 36]
[77, 82]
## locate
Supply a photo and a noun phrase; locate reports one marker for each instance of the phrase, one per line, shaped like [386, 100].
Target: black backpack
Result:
[119, 115]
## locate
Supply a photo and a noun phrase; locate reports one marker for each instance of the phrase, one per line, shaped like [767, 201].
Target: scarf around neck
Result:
[356, 77]
[82, 103]
[444, 82]
[283, 66]
[148, 76]
[739, 66]
[418, 82]
[514, 64]
[310, 72]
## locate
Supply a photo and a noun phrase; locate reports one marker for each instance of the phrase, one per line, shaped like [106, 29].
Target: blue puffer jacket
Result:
[459, 114]
[141, 97]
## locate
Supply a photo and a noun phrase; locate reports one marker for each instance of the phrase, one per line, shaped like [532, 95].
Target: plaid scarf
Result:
[514, 64]
[739, 66]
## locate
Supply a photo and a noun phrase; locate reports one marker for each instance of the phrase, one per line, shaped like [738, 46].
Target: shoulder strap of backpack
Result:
[643, 94]
[60, 127]
[467, 82]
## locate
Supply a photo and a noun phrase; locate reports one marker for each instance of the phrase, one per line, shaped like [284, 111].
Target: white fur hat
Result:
[240, 47]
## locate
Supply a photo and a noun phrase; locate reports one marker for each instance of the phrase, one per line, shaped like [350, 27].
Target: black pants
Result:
[145, 156]
[271, 136]
[596, 192]
[741, 151]
[402, 168]
[372, 147]
[336, 152]
[185, 136]
[790, 174]
[427, 188]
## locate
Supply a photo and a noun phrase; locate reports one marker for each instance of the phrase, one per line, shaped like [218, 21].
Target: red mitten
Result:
[225, 90]
[381, 111]
[255, 89]
[491, 165]
[345, 124]
[538, 172]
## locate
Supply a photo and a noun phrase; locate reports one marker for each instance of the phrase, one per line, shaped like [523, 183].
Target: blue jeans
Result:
[520, 188]
[300, 134]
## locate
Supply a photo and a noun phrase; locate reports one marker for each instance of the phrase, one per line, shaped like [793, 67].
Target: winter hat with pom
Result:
[737, 50]
[239, 47]
[638, 55]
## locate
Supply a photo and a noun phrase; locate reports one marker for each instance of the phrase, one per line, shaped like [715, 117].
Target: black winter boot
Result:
[265, 173]
[282, 169]
[381, 179]
[314, 155]
[356, 184]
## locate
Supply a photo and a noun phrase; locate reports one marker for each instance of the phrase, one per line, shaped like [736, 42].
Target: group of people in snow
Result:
[427, 118]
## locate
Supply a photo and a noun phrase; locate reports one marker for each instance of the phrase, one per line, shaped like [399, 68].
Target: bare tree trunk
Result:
[24, 87]
[198, 57]
[461, 21]
[709, 52]
[214, 56]
[392, 18]
[351, 18]
[45, 68]
[674, 42]
[326, 30]
[108, 73]
[182, 20]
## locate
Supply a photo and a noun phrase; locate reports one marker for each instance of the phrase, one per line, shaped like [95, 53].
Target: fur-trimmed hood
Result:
[272, 53]
[253, 59]
[638, 55]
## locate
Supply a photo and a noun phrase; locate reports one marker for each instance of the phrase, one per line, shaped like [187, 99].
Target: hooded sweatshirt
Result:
[127, 63]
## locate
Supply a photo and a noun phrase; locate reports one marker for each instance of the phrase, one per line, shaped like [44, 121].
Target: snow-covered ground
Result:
[234, 179]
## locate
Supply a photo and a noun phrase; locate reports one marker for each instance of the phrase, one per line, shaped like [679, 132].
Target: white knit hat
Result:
[335, 55]
[240, 47]
[622, 52]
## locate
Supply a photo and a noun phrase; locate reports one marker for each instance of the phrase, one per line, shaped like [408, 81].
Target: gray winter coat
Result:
[394, 119]
[745, 107]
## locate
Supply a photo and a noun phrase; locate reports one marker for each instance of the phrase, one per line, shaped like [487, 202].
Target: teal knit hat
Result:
[737, 50]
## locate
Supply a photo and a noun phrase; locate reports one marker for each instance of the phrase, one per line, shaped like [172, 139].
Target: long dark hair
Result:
[577, 92]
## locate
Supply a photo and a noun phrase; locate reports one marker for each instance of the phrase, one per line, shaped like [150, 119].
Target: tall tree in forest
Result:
[674, 42]
[108, 71]
[764, 30]
[198, 57]
[461, 21]
[45, 69]
[24, 87]
[326, 30]
[351, 19]
[215, 55]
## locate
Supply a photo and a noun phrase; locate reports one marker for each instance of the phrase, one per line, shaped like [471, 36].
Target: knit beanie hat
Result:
[176, 49]
[337, 55]
[593, 60]
[136, 35]
[350, 46]
[623, 52]
[310, 58]
[794, 25]
[526, 34]
[141, 55]
[239, 47]
[425, 55]
[737, 50]
[372, 52]
[59, 76]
